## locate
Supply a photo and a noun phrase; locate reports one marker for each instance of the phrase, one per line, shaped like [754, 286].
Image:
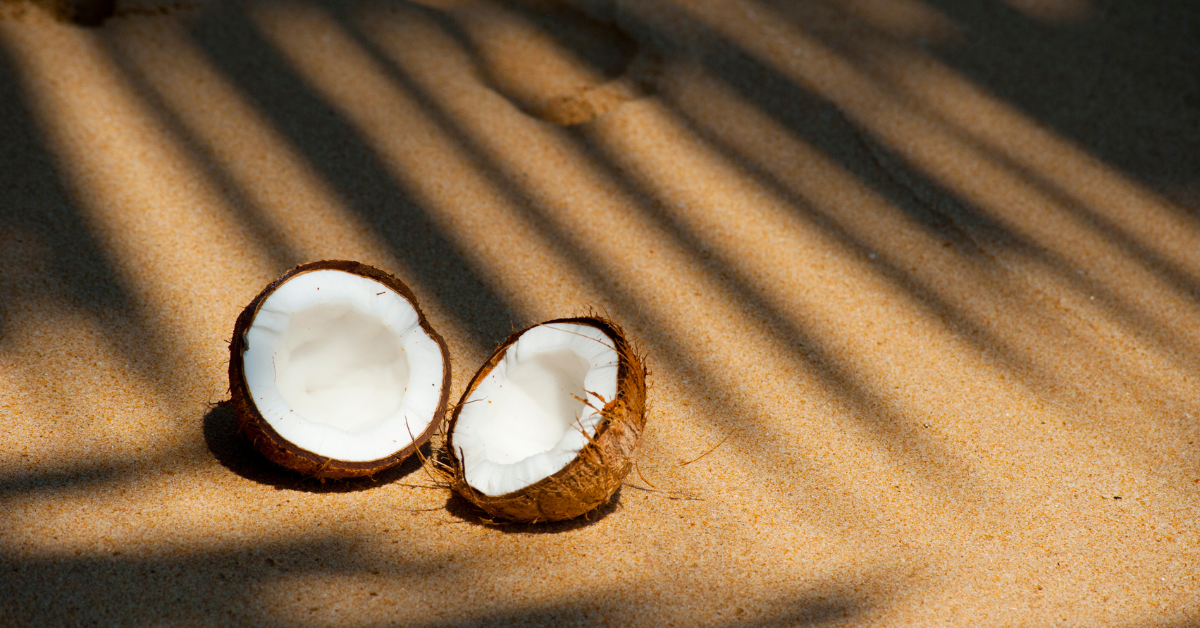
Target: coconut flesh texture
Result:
[339, 365]
[527, 419]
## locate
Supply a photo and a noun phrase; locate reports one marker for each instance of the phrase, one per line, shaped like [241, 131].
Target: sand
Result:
[919, 282]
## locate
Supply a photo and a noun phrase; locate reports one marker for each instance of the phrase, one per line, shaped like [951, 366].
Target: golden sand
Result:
[927, 272]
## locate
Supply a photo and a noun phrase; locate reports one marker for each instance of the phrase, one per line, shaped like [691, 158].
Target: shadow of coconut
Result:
[235, 452]
[460, 508]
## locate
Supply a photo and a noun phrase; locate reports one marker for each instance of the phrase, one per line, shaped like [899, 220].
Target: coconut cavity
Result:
[339, 371]
[541, 401]
[339, 366]
[527, 438]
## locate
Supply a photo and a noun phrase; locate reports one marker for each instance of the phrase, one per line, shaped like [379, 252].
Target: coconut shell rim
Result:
[284, 452]
[627, 375]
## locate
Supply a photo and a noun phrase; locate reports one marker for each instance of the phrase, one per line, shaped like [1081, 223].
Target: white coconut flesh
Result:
[339, 365]
[527, 419]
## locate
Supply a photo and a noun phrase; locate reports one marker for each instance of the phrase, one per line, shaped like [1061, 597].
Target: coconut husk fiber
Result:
[916, 281]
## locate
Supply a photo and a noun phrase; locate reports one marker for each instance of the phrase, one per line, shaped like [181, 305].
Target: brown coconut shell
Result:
[589, 480]
[275, 447]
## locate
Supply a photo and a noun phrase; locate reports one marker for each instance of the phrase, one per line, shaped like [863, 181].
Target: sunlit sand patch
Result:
[1131, 473]
[795, 269]
[60, 419]
[141, 193]
[299, 210]
[602, 224]
[93, 417]
[1154, 222]
[992, 187]
[1119, 327]
[599, 221]
[476, 211]
[348, 599]
[991, 309]
[804, 516]
[1125, 251]
[966, 430]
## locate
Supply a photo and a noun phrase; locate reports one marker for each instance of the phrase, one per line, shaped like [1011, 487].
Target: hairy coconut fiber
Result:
[597, 471]
[279, 450]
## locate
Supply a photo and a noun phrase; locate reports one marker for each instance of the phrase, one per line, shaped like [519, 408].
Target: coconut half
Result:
[335, 372]
[551, 424]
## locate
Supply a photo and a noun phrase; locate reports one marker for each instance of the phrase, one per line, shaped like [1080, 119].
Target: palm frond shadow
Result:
[359, 176]
[250, 586]
[199, 587]
[874, 410]
[51, 254]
